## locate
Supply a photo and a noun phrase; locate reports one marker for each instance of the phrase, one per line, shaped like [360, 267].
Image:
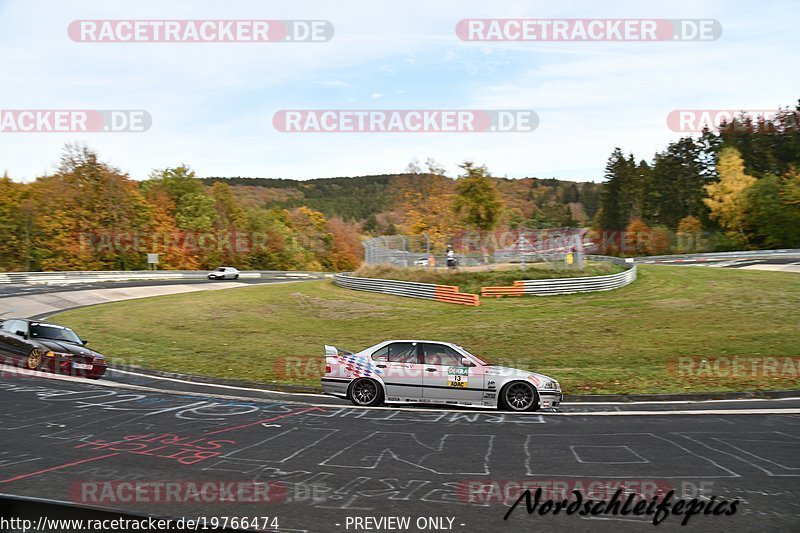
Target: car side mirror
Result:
[21, 334]
[84, 342]
[466, 362]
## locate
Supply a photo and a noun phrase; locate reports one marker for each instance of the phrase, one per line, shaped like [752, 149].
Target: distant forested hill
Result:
[541, 202]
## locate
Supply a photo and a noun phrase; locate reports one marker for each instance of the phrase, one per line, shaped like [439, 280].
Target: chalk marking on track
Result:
[23, 476]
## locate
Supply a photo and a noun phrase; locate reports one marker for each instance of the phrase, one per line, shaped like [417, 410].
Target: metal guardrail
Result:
[68, 277]
[544, 287]
[450, 294]
[410, 289]
[744, 254]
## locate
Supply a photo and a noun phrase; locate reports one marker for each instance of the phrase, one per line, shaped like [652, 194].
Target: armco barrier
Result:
[410, 289]
[68, 277]
[712, 256]
[569, 285]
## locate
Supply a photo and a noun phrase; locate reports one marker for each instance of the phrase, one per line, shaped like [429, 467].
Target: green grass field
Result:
[622, 341]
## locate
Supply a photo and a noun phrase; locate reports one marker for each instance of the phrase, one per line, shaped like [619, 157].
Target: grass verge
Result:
[622, 341]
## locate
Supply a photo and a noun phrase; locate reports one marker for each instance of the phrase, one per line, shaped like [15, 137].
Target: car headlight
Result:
[51, 353]
[551, 385]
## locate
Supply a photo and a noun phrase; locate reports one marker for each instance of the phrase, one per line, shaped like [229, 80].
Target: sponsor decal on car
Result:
[458, 376]
[359, 367]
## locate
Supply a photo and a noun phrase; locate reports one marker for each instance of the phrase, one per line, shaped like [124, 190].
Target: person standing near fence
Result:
[451, 258]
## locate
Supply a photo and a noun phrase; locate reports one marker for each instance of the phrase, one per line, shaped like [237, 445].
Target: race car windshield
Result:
[39, 331]
[482, 361]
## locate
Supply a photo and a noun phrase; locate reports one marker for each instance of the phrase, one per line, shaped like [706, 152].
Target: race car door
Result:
[401, 370]
[445, 379]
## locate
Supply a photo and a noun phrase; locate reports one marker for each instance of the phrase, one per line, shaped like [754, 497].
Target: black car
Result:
[41, 346]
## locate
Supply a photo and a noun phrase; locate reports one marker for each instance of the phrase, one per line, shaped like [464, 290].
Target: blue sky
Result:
[212, 103]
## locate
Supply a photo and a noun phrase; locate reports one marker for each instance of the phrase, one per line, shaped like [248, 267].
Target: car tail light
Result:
[327, 368]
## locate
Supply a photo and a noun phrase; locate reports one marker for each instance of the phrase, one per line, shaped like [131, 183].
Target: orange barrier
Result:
[450, 294]
[518, 289]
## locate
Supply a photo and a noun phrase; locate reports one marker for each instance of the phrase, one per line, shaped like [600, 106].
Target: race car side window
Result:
[381, 354]
[396, 352]
[439, 354]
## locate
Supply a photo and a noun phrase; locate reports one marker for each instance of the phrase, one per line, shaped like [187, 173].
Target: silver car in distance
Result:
[224, 273]
[433, 372]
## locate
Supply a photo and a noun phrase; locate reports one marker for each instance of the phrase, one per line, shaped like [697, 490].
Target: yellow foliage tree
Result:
[689, 234]
[425, 203]
[727, 198]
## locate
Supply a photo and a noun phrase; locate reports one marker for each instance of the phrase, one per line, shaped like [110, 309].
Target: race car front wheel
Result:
[34, 360]
[519, 396]
[366, 392]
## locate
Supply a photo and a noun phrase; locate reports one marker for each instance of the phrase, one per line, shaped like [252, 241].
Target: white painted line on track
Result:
[234, 387]
[790, 411]
[464, 411]
[230, 387]
[659, 402]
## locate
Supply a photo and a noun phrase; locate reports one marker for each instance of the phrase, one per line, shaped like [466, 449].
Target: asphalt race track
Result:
[60, 434]
[22, 289]
[326, 463]
[780, 264]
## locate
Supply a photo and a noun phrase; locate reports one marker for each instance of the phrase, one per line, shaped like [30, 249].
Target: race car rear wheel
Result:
[366, 392]
[34, 360]
[519, 396]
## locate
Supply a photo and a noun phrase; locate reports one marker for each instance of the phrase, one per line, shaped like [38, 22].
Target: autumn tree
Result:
[85, 215]
[346, 252]
[689, 234]
[477, 201]
[424, 203]
[13, 238]
[230, 214]
[640, 239]
[193, 213]
[727, 198]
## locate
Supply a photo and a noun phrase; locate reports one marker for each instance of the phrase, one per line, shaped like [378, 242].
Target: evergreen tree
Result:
[615, 213]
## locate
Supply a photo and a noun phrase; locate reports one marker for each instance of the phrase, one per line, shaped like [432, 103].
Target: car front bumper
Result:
[550, 399]
[64, 365]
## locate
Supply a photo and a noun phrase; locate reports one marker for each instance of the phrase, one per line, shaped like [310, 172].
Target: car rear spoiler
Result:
[334, 351]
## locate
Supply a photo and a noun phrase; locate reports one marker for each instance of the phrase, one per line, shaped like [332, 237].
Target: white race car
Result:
[224, 273]
[433, 372]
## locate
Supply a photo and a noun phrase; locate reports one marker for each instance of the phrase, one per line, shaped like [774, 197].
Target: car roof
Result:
[417, 340]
